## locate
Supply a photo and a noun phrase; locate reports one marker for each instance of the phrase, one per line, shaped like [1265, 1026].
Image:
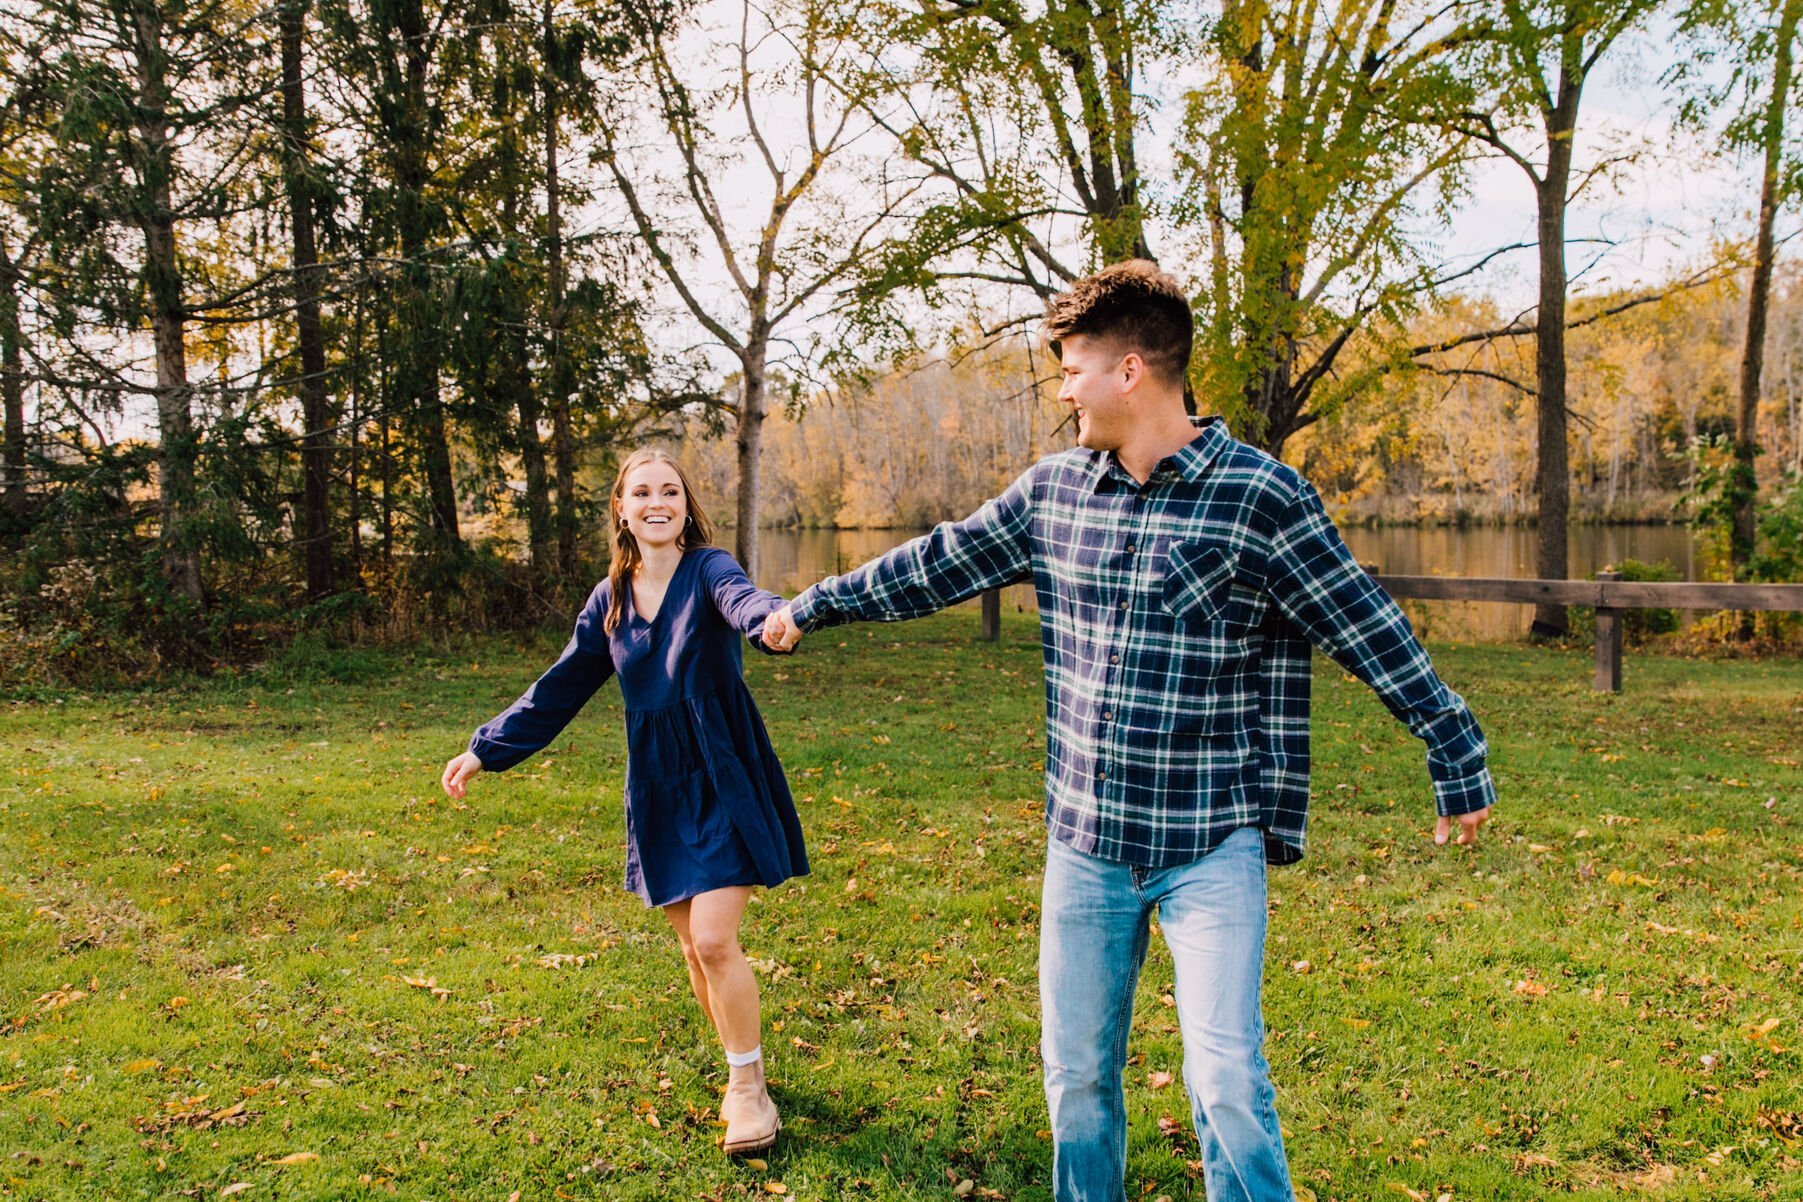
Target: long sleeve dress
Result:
[707, 805]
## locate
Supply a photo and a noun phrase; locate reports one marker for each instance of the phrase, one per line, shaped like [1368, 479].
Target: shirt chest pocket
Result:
[1203, 591]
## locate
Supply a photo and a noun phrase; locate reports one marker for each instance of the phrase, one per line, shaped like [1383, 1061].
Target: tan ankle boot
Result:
[751, 1118]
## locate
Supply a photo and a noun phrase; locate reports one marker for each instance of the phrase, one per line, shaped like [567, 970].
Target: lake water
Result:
[794, 559]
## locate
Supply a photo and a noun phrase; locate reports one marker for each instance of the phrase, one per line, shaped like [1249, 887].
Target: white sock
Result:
[741, 1059]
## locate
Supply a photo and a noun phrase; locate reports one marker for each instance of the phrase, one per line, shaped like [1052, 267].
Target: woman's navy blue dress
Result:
[707, 805]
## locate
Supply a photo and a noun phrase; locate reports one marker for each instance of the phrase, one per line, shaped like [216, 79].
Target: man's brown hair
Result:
[1134, 305]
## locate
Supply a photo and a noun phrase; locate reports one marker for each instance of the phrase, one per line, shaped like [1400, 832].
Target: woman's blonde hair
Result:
[697, 531]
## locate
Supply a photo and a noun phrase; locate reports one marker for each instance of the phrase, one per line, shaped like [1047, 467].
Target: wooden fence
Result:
[1608, 594]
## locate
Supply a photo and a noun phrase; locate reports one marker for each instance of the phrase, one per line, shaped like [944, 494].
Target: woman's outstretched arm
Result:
[543, 710]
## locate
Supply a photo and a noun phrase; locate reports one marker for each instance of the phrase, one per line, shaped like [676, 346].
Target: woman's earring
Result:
[623, 524]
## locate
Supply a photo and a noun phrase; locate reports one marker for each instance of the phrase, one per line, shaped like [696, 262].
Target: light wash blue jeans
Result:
[1093, 935]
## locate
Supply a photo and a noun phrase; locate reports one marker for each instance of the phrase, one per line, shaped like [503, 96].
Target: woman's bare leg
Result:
[678, 914]
[712, 920]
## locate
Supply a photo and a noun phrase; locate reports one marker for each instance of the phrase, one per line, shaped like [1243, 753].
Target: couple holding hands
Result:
[1181, 578]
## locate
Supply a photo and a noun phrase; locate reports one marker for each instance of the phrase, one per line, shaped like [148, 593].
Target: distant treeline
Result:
[1646, 387]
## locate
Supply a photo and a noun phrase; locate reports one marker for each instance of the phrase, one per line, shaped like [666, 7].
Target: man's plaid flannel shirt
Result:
[1176, 619]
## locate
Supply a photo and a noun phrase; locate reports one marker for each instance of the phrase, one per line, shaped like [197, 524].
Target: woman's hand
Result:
[457, 774]
[781, 633]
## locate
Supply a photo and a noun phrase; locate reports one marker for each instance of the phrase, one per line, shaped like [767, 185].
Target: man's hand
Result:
[457, 774]
[1468, 824]
[780, 631]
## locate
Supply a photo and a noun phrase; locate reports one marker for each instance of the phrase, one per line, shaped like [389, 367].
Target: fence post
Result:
[1608, 640]
[992, 615]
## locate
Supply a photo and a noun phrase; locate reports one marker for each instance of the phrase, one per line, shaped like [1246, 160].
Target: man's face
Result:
[1095, 386]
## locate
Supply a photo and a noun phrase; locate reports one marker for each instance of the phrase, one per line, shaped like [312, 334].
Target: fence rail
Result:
[1608, 594]
[1601, 593]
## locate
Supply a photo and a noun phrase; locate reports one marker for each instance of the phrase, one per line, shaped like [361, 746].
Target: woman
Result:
[708, 811]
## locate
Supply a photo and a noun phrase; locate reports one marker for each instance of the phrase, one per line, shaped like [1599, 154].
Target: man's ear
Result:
[1132, 369]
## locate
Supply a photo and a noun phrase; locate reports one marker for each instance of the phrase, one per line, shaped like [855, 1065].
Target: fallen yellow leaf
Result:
[296, 1158]
[1618, 877]
[138, 1066]
[236, 1187]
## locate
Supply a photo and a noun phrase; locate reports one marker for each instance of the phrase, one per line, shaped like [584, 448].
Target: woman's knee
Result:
[715, 950]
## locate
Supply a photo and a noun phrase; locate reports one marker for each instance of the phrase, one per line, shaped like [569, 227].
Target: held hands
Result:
[458, 772]
[780, 631]
[1468, 824]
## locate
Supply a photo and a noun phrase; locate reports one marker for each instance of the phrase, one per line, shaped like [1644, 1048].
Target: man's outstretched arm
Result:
[1314, 579]
[953, 562]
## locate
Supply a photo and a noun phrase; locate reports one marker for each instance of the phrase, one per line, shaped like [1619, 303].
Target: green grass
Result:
[220, 906]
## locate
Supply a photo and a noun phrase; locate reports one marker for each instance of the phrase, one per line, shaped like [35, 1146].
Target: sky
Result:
[1657, 217]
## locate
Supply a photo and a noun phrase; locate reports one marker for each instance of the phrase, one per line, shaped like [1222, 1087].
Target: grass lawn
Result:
[247, 947]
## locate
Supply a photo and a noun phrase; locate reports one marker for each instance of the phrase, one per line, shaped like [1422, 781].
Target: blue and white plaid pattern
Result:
[1176, 619]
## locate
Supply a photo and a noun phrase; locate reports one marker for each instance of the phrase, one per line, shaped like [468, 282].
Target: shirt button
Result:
[1101, 775]
[1114, 659]
[1129, 548]
[1107, 714]
[1123, 605]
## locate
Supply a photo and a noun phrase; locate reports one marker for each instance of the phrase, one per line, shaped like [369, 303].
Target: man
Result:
[1180, 576]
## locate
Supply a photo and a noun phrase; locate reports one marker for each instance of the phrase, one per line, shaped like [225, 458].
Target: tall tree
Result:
[1540, 54]
[316, 409]
[1315, 138]
[22, 87]
[793, 68]
[561, 74]
[501, 282]
[1315, 145]
[401, 68]
[141, 97]
[1761, 94]
[15, 501]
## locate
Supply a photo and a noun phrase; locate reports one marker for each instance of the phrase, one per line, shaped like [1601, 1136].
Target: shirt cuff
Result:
[808, 609]
[1464, 794]
[495, 757]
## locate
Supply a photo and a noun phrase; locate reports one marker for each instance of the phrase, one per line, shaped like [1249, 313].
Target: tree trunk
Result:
[532, 461]
[163, 284]
[353, 453]
[386, 396]
[419, 384]
[752, 402]
[316, 420]
[1553, 474]
[1752, 360]
[563, 450]
[15, 501]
